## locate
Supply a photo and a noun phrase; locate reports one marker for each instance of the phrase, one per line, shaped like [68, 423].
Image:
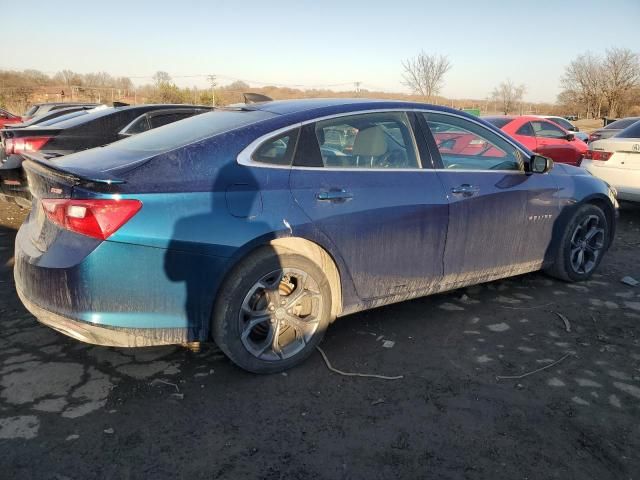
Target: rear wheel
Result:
[582, 246]
[272, 311]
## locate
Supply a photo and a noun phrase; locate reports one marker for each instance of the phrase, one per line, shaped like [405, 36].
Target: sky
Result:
[317, 43]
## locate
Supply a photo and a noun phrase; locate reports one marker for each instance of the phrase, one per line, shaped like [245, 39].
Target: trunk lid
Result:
[47, 180]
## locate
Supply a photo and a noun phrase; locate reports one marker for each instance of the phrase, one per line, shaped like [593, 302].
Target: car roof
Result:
[45, 104]
[183, 108]
[306, 109]
[499, 117]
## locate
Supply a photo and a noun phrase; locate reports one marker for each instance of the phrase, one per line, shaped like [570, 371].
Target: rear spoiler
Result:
[75, 176]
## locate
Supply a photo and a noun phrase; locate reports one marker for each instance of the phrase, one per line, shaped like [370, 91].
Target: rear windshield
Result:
[622, 123]
[60, 118]
[72, 120]
[497, 121]
[630, 132]
[190, 130]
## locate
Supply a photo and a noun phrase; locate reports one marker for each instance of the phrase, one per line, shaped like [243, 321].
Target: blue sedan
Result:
[256, 226]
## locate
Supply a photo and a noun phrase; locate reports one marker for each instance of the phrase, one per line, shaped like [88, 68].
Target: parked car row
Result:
[57, 132]
[542, 136]
[257, 225]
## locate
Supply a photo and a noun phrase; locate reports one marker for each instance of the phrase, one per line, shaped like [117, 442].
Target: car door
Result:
[551, 141]
[360, 181]
[500, 217]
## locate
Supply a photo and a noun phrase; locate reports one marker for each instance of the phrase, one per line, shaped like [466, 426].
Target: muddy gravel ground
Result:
[74, 411]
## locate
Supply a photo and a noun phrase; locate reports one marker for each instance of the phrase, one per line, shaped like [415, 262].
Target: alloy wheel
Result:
[280, 314]
[587, 243]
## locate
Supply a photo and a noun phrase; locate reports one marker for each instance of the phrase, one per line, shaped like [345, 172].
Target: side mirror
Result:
[570, 137]
[540, 164]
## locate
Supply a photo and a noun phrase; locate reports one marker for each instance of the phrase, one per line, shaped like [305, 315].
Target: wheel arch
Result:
[604, 203]
[308, 249]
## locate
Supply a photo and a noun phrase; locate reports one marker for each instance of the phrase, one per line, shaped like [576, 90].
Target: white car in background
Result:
[567, 125]
[616, 160]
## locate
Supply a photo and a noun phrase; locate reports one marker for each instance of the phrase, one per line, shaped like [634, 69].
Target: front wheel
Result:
[272, 311]
[582, 245]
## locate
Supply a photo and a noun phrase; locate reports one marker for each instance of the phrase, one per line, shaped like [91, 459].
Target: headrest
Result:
[370, 142]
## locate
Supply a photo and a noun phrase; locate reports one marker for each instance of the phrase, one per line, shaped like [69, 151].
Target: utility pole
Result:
[212, 80]
[357, 87]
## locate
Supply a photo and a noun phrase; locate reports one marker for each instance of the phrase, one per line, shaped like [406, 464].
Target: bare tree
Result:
[508, 95]
[622, 67]
[161, 78]
[584, 82]
[601, 83]
[424, 74]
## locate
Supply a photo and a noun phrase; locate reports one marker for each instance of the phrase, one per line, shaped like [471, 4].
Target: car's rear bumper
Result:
[118, 294]
[625, 181]
[106, 335]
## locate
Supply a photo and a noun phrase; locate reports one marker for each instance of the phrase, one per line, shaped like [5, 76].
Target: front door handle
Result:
[465, 190]
[334, 195]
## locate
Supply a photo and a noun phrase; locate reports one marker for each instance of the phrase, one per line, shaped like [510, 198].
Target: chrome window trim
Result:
[244, 157]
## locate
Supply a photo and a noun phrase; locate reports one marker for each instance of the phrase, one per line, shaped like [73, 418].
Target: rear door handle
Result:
[334, 195]
[465, 190]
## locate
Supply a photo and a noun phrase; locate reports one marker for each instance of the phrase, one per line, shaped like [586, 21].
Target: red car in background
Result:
[8, 117]
[543, 137]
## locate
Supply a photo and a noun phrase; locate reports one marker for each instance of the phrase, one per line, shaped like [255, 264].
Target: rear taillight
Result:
[97, 218]
[597, 155]
[24, 145]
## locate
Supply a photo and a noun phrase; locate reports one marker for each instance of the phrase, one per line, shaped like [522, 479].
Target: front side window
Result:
[370, 140]
[547, 130]
[278, 150]
[466, 145]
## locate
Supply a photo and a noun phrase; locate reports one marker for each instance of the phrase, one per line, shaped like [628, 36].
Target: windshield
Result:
[190, 130]
[622, 123]
[632, 131]
[562, 122]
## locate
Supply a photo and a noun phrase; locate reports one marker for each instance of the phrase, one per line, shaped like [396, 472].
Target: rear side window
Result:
[466, 145]
[139, 126]
[371, 140]
[547, 130]
[630, 132]
[526, 130]
[278, 150]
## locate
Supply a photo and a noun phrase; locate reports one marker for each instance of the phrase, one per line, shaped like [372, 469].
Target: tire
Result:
[587, 220]
[261, 300]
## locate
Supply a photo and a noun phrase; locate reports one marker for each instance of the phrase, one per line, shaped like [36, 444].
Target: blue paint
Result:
[397, 234]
